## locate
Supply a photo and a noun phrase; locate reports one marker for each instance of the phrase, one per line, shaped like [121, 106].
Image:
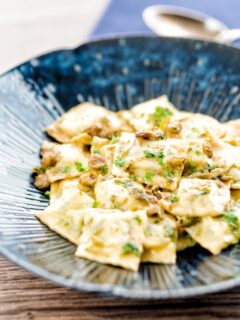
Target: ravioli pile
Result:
[140, 185]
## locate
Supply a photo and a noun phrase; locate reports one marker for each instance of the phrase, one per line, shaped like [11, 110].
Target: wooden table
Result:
[24, 297]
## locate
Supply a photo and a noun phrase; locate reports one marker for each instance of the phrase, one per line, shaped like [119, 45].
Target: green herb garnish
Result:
[113, 140]
[95, 204]
[152, 154]
[104, 169]
[79, 167]
[169, 174]
[148, 176]
[160, 114]
[131, 247]
[47, 194]
[170, 232]
[138, 219]
[66, 169]
[232, 221]
[119, 162]
[198, 152]
[174, 199]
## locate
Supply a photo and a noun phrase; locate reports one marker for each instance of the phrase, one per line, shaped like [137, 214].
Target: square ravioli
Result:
[60, 216]
[232, 135]
[69, 195]
[227, 157]
[67, 224]
[86, 117]
[113, 237]
[159, 162]
[216, 234]
[125, 194]
[160, 240]
[150, 114]
[61, 161]
[197, 198]
[185, 125]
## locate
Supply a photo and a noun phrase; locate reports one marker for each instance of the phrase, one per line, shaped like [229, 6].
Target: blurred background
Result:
[31, 27]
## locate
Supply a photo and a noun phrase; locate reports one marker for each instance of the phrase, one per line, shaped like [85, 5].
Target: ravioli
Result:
[150, 114]
[113, 237]
[60, 215]
[86, 117]
[158, 162]
[232, 135]
[217, 233]
[140, 185]
[125, 194]
[62, 161]
[187, 125]
[198, 198]
[228, 158]
[160, 240]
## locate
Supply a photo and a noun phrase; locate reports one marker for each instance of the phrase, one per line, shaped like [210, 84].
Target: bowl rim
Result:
[108, 289]
[114, 36]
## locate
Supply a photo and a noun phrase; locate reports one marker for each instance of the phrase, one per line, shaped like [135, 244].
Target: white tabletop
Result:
[31, 27]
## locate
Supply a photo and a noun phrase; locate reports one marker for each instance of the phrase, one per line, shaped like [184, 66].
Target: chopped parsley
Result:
[138, 219]
[133, 177]
[204, 192]
[43, 170]
[169, 174]
[125, 183]
[148, 176]
[113, 140]
[104, 169]
[131, 247]
[66, 169]
[232, 221]
[198, 152]
[95, 204]
[195, 130]
[160, 114]
[79, 167]
[47, 194]
[174, 198]
[170, 232]
[212, 167]
[119, 162]
[152, 154]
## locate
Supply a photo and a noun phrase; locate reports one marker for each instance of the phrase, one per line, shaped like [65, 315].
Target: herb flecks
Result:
[79, 167]
[66, 169]
[104, 169]
[153, 154]
[113, 140]
[47, 194]
[119, 162]
[148, 176]
[160, 114]
[131, 248]
[232, 221]
[95, 204]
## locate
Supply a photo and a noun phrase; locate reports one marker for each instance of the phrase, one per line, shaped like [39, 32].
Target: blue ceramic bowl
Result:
[117, 73]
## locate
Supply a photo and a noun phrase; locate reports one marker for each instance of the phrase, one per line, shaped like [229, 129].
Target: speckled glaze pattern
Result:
[117, 73]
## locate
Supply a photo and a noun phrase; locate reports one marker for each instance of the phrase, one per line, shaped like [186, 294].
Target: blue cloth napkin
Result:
[126, 15]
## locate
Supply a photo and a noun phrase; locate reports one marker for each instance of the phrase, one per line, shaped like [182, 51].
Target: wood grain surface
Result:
[24, 297]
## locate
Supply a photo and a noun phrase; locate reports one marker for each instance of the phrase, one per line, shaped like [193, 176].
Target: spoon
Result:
[182, 22]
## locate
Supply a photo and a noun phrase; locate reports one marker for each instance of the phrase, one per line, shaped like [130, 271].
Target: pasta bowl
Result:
[197, 76]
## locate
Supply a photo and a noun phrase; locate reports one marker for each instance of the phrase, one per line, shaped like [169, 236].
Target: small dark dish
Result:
[117, 73]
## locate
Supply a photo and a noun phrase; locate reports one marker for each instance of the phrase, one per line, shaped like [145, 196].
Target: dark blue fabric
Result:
[126, 15]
